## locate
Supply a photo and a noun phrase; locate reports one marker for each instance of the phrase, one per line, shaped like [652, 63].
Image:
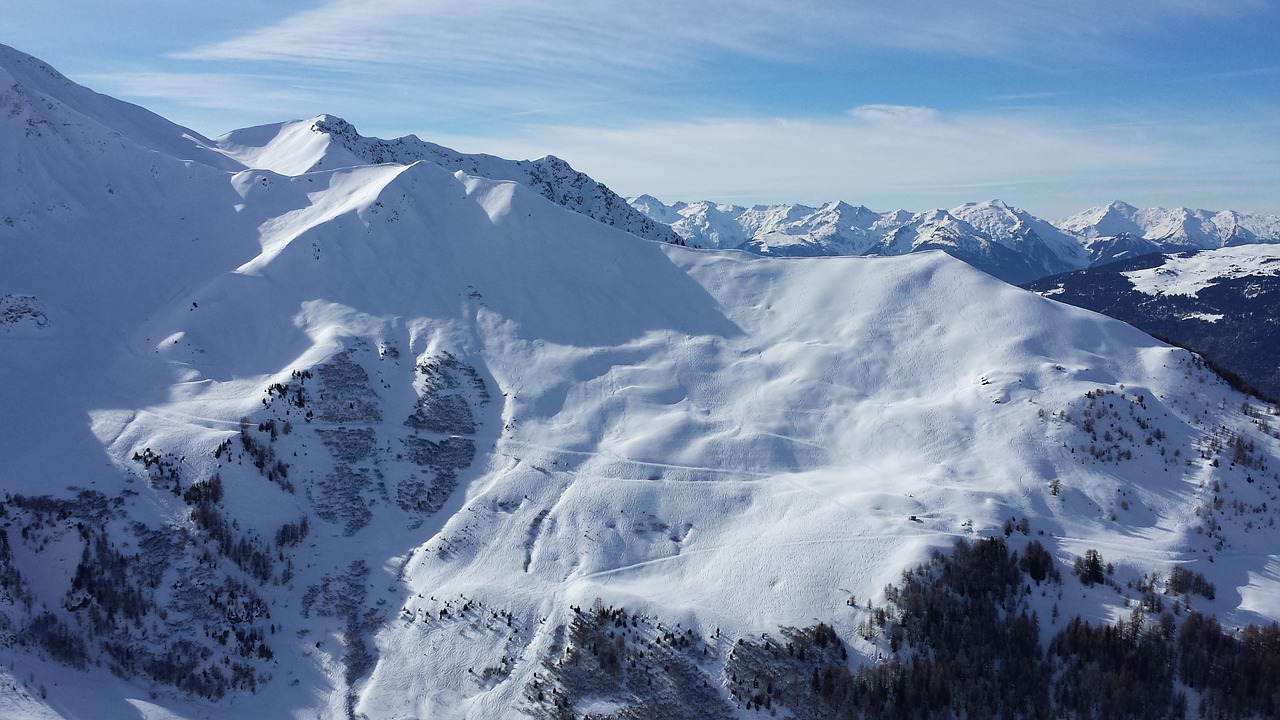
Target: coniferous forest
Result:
[962, 641]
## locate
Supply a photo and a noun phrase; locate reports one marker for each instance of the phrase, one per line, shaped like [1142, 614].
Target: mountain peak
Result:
[326, 142]
[647, 199]
[937, 216]
[333, 125]
[844, 208]
[998, 204]
[654, 208]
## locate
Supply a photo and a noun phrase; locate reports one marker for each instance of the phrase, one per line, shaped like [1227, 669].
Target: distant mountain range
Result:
[1002, 240]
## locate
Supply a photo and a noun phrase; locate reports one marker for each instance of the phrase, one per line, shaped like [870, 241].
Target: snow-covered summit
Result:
[1049, 249]
[1107, 220]
[655, 209]
[327, 142]
[1174, 229]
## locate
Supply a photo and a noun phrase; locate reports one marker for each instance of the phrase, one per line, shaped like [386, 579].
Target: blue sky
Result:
[1051, 106]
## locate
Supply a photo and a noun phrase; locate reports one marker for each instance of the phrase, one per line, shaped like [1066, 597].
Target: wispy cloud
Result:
[895, 156]
[484, 35]
[211, 102]
[879, 115]
[474, 62]
[670, 98]
[209, 90]
[590, 36]
[660, 59]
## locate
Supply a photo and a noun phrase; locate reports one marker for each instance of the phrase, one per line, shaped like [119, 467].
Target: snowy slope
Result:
[327, 142]
[491, 410]
[46, 103]
[1188, 275]
[93, 240]
[1225, 303]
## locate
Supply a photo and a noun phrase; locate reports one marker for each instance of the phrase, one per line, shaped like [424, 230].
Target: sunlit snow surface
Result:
[1190, 275]
[992, 235]
[710, 437]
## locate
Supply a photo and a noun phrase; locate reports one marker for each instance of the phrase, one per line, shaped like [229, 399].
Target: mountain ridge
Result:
[327, 142]
[970, 232]
[45, 97]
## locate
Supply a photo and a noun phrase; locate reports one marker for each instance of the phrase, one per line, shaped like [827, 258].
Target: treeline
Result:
[263, 455]
[964, 644]
[960, 640]
[609, 652]
[248, 552]
[109, 616]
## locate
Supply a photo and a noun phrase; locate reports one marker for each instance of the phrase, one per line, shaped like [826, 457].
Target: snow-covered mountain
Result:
[1174, 230]
[993, 236]
[1224, 303]
[787, 230]
[1045, 247]
[942, 230]
[43, 103]
[399, 440]
[1120, 231]
[327, 142]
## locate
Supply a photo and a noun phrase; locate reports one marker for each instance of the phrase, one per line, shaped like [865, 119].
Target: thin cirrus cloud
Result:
[483, 36]
[889, 157]
[202, 90]
[872, 155]
[589, 35]
[668, 60]
[642, 95]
